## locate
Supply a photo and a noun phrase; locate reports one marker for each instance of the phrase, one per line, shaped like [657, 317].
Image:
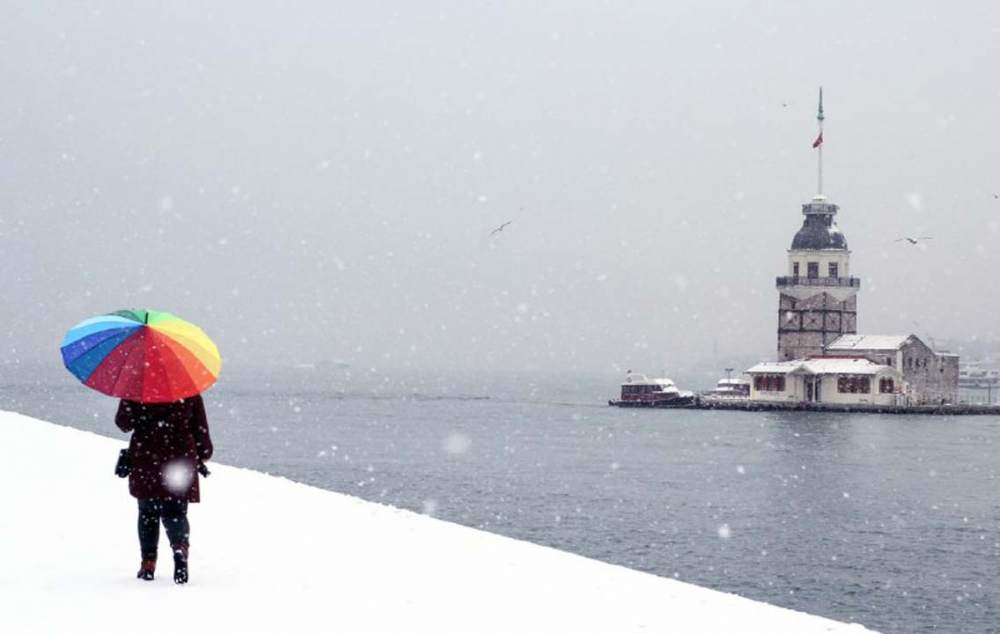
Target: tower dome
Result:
[819, 229]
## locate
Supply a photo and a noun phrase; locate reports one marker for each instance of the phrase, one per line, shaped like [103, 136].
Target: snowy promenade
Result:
[270, 555]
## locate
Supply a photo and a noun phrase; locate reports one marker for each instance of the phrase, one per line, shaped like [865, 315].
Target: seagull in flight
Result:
[500, 228]
[914, 240]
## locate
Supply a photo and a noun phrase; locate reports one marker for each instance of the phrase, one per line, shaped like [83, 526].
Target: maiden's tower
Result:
[817, 296]
[821, 358]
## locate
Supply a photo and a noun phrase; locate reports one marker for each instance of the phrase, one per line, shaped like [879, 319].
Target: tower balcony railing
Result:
[849, 282]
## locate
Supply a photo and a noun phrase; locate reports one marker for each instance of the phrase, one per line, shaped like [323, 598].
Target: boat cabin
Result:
[731, 388]
[638, 388]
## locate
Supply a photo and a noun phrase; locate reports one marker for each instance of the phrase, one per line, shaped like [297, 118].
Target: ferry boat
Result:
[978, 385]
[640, 391]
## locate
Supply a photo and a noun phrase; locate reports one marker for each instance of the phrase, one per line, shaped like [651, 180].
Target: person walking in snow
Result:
[169, 444]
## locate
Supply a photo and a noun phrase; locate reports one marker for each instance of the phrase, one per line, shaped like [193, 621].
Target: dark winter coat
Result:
[168, 441]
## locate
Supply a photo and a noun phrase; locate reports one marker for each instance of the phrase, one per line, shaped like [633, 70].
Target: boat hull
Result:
[677, 401]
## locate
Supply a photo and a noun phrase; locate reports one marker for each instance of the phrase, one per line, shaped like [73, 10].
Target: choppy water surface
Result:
[890, 521]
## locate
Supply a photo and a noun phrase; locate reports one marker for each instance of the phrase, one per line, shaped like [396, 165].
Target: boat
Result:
[977, 385]
[730, 389]
[640, 391]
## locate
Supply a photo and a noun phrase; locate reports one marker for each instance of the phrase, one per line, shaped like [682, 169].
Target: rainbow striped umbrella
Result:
[142, 355]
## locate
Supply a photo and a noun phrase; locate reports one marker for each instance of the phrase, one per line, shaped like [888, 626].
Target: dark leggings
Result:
[174, 516]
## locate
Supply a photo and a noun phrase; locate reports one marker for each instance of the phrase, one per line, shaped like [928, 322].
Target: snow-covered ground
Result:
[270, 555]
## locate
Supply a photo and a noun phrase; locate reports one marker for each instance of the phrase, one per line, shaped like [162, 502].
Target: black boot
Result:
[147, 568]
[180, 563]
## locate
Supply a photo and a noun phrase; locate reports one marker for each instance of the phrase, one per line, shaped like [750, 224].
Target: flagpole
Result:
[819, 118]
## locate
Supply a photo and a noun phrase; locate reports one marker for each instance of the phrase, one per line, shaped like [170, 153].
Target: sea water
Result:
[889, 521]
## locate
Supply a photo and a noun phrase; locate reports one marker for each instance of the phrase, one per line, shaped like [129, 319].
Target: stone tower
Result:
[817, 297]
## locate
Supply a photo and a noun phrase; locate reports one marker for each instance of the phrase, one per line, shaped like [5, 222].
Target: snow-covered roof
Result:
[775, 367]
[821, 366]
[642, 379]
[843, 366]
[732, 382]
[868, 342]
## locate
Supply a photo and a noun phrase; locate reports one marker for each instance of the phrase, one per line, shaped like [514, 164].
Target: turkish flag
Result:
[819, 140]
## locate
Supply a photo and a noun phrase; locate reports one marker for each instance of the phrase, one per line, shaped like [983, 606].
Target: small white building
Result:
[831, 380]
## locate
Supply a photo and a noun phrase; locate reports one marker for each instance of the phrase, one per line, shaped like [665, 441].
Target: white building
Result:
[831, 380]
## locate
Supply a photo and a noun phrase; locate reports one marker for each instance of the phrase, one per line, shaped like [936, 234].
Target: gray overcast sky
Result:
[317, 180]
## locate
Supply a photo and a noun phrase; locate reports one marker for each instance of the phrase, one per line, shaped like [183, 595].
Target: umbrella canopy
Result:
[142, 355]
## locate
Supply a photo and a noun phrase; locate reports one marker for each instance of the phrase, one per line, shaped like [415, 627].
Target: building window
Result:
[853, 384]
[833, 269]
[886, 386]
[769, 383]
[795, 269]
[812, 270]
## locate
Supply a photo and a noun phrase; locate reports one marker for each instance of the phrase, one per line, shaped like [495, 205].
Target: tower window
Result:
[812, 270]
[795, 269]
[833, 269]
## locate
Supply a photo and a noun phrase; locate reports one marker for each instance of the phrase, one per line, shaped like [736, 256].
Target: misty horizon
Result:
[323, 183]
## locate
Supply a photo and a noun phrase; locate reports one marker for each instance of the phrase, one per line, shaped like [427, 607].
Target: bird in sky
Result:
[996, 195]
[784, 104]
[500, 228]
[914, 240]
